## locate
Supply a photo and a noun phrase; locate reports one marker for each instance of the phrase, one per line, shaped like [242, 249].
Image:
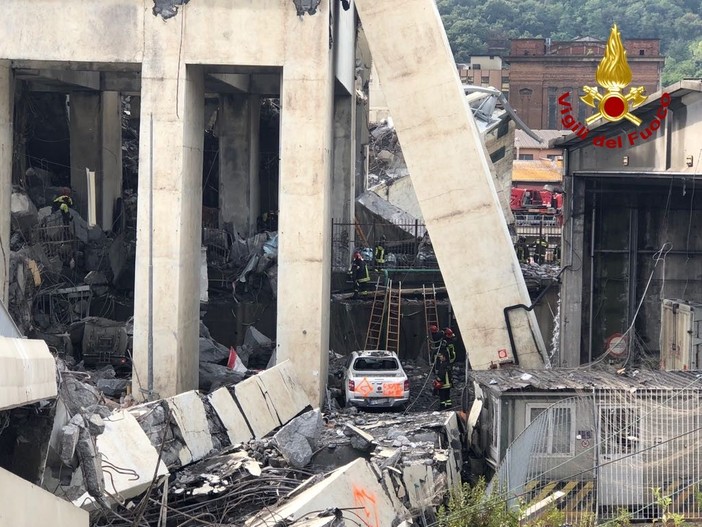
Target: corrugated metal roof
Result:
[561, 379]
[537, 170]
[522, 139]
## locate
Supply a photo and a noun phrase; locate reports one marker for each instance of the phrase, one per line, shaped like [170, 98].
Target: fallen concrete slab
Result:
[189, 413]
[229, 413]
[27, 372]
[124, 445]
[284, 394]
[250, 397]
[25, 505]
[353, 487]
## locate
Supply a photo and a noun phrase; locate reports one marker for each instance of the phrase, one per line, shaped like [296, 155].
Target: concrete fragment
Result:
[96, 425]
[23, 505]
[360, 440]
[252, 401]
[213, 376]
[298, 439]
[352, 487]
[189, 414]
[90, 464]
[228, 412]
[95, 278]
[68, 443]
[284, 396]
[124, 444]
[113, 387]
[212, 351]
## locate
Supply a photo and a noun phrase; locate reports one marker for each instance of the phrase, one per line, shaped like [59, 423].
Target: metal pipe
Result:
[592, 278]
[150, 335]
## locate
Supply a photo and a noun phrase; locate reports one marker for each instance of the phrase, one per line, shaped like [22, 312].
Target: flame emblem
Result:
[614, 74]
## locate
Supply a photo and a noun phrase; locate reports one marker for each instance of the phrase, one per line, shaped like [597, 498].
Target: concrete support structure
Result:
[451, 176]
[572, 278]
[167, 287]
[6, 135]
[170, 54]
[239, 187]
[344, 159]
[96, 143]
[109, 179]
[304, 226]
[86, 148]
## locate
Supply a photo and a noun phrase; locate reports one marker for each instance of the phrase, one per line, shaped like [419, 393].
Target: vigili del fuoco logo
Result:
[613, 75]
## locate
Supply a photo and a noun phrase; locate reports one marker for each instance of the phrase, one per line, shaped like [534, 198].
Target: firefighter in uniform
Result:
[522, 250]
[63, 202]
[359, 273]
[443, 381]
[540, 250]
[379, 254]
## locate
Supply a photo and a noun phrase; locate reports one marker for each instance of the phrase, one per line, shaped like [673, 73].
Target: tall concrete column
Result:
[574, 258]
[85, 132]
[7, 83]
[239, 188]
[167, 285]
[110, 177]
[305, 185]
[344, 159]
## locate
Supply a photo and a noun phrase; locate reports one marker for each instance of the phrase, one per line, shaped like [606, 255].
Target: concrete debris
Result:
[113, 387]
[298, 439]
[90, 464]
[306, 6]
[212, 376]
[96, 425]
[360, 440]
[69, 441]
[212, 351]
[77, 395]
[24, 214]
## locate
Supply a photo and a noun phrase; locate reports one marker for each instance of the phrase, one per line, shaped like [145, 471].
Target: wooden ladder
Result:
[375, 324]
[392, 340]
[431, 316]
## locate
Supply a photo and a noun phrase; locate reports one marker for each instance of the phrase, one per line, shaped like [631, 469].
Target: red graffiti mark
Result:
[369, 514]
[393, 389]
[364, 388]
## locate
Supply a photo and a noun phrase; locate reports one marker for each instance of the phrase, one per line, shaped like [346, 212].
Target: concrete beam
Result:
[189, 414]
[110, 175]
[451, 177]
[83, 79]
[23, 504]
[7, 104]
[85, 131]
[27, 372]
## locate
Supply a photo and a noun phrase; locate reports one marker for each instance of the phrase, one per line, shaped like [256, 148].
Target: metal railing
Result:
[406, 244]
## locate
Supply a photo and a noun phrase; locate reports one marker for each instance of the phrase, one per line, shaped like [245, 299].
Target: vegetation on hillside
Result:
[470, 24]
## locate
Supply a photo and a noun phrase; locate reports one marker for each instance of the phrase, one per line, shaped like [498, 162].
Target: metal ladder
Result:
[392, 340]
[431, 315]
[375, 324]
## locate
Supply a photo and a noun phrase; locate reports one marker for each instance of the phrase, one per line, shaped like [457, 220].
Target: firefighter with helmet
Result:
[359, 273]
[64, 203]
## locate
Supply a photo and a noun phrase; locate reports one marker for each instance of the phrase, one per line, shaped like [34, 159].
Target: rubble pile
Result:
[386, 161]
[539, 276]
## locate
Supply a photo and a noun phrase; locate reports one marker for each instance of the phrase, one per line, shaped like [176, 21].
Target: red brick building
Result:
[541, 71]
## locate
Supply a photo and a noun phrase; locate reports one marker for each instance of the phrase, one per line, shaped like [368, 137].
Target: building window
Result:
[526, 157]
[552, 157]
[494, 410]
[503, 128]
[642, 52]
[476, 66]
[497, 154]
[552, 108]
[556, 428]
[485, 79]
[526, 92]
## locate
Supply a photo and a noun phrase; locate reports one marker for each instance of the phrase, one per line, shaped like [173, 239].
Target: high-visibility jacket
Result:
[379, 254]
